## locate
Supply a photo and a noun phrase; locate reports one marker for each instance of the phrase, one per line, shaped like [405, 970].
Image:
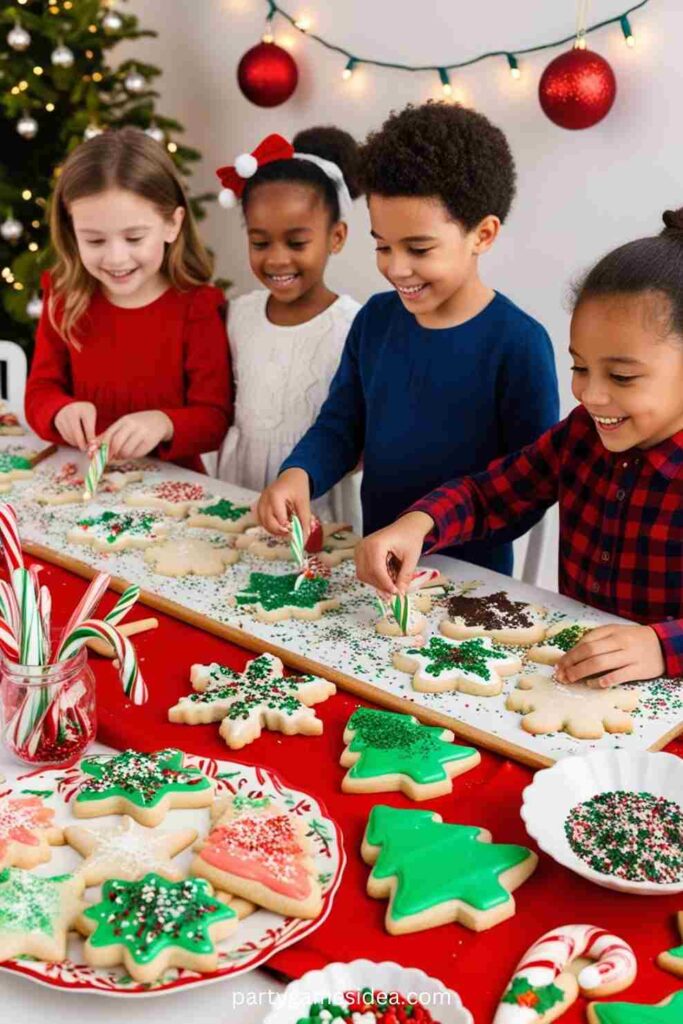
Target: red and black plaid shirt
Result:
[621, 520]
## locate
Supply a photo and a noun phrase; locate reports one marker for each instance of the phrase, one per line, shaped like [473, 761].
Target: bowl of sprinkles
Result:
[615, 818]
[364, 992]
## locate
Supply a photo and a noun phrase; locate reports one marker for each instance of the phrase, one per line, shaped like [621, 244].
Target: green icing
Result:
[273, 592]
[258, 689]
[29, 902]
[141, 778]
[248, 803]
[434, 862]
[566, 638]
[110, 525]
[8, 462]
[224, 509]
[389, 743]
[539, 998]
[472, 656]
[639, 1013]
[154, 913]
[677, 951]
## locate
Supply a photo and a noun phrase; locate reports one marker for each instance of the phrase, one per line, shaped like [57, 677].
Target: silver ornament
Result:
[27, 126]
[11, 229]
[112, 21]
[18, 38]
[62, 56]
[34, 307]
[92, 131]
[134, 81]
[155, 132]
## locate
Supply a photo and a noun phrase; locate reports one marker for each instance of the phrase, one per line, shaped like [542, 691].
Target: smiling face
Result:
[121, 240]
[628, 372]
[429, 258]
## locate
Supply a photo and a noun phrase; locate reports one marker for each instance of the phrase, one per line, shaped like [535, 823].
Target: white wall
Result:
[579, 193]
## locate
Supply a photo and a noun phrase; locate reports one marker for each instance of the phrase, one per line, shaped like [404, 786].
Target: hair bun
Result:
[673, 219]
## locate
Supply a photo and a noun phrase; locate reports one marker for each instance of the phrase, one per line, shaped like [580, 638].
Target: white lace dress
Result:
[282, 376]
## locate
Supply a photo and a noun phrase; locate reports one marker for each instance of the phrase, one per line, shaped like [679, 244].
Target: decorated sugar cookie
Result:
[116, 531]
[496, 616]
[470, 666]
[559, 639]
[402, 619]
[247, 702]
[338, 543]
[145, 786]
[669, 1011]
[222, 514]
[36, 913]
[172, 497]
[62, 488]
[274, 598]
[672, 959]
[122, 472]
[189, 556]
[258, 851]
[153, 924]
[389, 752]
[435, 873]
[243, 908]
[127, 850]
[27, 831]
[9, 423]
[543, 986]
[574, 708]
[15, 466]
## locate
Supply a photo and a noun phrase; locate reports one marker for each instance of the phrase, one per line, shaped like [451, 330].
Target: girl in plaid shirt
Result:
[615, 465]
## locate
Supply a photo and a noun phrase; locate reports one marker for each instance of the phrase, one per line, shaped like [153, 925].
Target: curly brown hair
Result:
[445, 151]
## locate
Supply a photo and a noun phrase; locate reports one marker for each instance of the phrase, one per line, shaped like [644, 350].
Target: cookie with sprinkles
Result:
[273, 598]
[9, 423]
[64, 487]
[669, 1011]
[146, 786]
[122, 472]
[27, 831]
[672, 959]
[153, 924]
[575, 708]
[496, 616]
[259, 851]
[338, 544]
[15, 465]
[116, 531]
[175, 498]
[36, 913]
[389, 752]
[127, 851]
[559, 639]
[475, 666]
[245, 703]
[223, 514]
[190, 556]
[416, 624]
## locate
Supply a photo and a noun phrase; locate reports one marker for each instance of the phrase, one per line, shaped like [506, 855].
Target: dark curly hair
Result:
[327, 142]
[445, 151]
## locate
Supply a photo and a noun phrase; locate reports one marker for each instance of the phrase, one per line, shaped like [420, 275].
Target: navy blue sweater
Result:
[424, 405]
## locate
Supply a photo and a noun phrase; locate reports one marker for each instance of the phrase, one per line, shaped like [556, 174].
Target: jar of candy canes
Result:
[47, 712]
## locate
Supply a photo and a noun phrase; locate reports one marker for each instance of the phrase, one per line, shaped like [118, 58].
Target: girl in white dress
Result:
[286, 341]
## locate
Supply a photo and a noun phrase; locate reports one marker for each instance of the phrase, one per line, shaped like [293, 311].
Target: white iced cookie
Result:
[496, 616]
[173, 497]
[222, 514]
[574, 708]
[119, 474]
[127, 850]
[469, 666]
[190, 557]
[116, 531]
[559, 639]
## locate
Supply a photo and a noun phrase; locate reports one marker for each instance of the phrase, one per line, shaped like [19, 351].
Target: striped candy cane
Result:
[9, 536]
[9, 609]
[45, 611]
[87, 604]
[123, 605]
[31, 641]
[400, 606]
[97, 466]
[296, 544]
[131, 678]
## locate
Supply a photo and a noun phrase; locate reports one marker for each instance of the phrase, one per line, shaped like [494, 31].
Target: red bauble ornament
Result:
[267, 75]
[577, 89]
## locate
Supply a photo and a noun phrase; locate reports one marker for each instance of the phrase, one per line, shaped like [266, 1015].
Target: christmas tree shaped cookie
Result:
[145, 786]
[669, 1011]
[115, 531]
[434, 873]
[36, 913]
[470, 666]
[273, 598]
[26, 832]
[672, 959]
[559, 639]
[388, 752]
[127, 851]
[247, 702]
[224, 515]
[575, 708]
[153, 924]
[259, 851]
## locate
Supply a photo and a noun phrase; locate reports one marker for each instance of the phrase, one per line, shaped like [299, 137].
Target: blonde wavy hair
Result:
[130, 160]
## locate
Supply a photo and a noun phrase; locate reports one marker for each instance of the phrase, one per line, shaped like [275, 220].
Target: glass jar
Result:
[47, 712]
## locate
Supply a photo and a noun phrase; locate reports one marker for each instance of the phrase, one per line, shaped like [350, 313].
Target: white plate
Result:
[256, 939]
[555, 791]
[334, 980]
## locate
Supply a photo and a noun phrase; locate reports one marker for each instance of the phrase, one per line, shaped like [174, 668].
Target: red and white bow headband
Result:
[274, 147]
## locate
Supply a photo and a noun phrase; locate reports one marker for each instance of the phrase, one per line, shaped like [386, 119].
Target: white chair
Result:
[13, 379]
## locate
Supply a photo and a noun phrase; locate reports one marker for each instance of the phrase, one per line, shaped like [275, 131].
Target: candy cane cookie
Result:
[543, 987]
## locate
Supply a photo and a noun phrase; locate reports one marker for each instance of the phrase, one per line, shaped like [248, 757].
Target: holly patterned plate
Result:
[256, 939]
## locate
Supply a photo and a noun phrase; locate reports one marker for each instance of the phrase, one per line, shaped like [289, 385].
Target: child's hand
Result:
[399, 544]
[290, 493]
[136, 434]
[76, 424]
[613, 654]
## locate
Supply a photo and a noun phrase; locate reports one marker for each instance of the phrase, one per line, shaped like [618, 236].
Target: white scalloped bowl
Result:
[554, 791]
[332, 981]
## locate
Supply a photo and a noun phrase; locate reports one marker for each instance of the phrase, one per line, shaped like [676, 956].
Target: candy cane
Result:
[45, 610]
[400, 607]
[31, 639]
[549, 958]
[131, 678]
[97, 466]
[9, 536]
[123, 605]
[423, 578]
[296, 544]
[9, 609]
[87, 604]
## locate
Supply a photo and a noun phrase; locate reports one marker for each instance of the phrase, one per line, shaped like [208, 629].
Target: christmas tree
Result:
[59, 84]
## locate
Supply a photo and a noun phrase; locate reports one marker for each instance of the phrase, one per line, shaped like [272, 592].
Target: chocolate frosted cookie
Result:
[496, 616]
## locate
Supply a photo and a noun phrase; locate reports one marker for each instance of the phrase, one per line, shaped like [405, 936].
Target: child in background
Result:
[286, 339]
[130, 348]
[443, 373]
[615, 465]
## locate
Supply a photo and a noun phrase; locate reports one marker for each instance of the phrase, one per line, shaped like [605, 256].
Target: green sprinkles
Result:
[29, 902]
[471, 656]
[274, 592]
[566, 638]
[634, 836]
[225, 510]
[111, 525]
[10, 462]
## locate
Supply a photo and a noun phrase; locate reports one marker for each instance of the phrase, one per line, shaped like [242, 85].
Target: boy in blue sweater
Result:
[443, 374]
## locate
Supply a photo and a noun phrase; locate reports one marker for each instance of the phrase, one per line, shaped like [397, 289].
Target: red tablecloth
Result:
[477, 965]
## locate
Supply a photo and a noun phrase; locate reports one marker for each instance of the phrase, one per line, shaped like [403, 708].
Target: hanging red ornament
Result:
[577, 89]
[267, 75]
